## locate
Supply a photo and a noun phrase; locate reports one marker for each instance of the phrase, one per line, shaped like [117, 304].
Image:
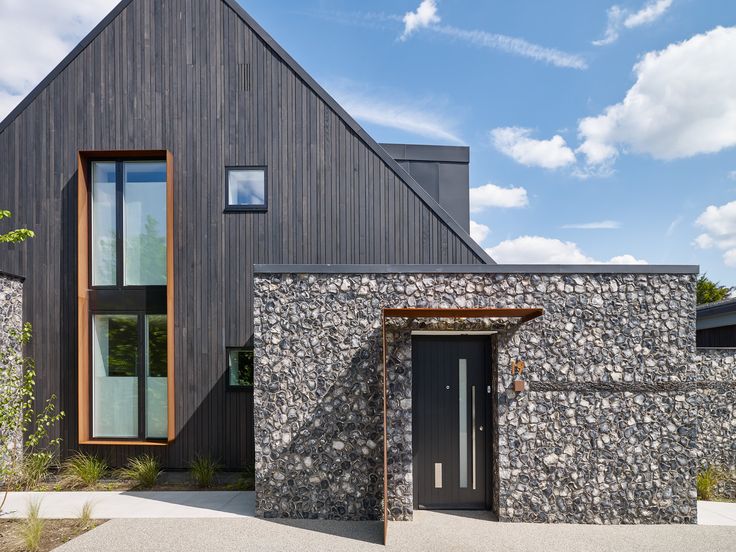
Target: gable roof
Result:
[441, 213]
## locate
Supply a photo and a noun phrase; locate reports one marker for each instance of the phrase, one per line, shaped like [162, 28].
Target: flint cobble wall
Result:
[11, 318]
[605, 433]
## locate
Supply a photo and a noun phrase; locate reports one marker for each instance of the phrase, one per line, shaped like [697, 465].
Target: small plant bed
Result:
[716, 484]
[53, 532]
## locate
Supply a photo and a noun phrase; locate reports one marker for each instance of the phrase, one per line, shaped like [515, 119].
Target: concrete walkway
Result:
[224, 520]
[134, 504]
[430, 531]
[717, 513]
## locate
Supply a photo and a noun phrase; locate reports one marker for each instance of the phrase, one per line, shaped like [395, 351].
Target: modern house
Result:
[716, 324]
[226, 263]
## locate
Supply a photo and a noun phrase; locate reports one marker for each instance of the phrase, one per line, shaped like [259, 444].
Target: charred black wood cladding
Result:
[169, 75]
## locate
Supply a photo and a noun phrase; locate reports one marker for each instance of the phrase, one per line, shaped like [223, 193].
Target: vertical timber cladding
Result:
[84, 260]
[164, 75]
[611, 390]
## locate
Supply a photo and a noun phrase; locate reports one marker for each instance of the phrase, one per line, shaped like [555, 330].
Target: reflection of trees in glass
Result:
[241, 367]
[157, 346]
[122, 346]
[146, 255]
[105, 262]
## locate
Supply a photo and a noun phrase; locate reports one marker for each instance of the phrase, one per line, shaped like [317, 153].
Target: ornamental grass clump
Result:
[32, 528]
[707, 481]
[203, 470]
[144, 470]
[83, 470]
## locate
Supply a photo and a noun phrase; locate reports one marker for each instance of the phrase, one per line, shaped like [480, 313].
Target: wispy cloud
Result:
[600, 225]
[424, 16]
[427, 19]
[619, 18]
[388, 108]
[673, 226]
[513, 45]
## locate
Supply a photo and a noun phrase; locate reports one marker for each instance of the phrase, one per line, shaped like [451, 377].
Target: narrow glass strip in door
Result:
[463, 421]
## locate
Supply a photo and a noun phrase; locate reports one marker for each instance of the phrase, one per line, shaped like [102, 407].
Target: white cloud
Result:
[513, 45]
[540, 250]
[479, 232]
[490, 195]
[424, 16]
[719, 223]
[682, 104]
[626, 259]
[652, 10]
[619, 17]
[599, 225]
[27, 57]
[732, 175]
[517, 144]
[390, 109]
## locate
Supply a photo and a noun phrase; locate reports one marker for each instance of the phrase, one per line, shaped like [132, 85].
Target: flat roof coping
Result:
[473, 269]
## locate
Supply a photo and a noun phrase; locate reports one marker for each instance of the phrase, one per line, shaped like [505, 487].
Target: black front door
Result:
[451, 434]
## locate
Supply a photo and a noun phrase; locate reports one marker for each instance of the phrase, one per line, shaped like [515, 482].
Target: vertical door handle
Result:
[472, 408]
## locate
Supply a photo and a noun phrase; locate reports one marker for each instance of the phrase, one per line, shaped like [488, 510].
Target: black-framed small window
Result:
[246, 189]
[240, 367]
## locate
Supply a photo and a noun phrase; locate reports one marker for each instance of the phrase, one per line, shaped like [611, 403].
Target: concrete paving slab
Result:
[134, 504]
[717, 513]
[430, 531]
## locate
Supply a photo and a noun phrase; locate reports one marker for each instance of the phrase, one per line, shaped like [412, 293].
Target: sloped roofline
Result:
[279, 51]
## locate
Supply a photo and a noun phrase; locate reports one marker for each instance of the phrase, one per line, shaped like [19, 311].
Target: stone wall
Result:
[11, 318]
[606, 432]
[717, 420]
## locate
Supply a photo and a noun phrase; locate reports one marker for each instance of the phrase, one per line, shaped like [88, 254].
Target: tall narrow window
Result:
[144, 219]
[104, 232]
[128, 377]
[156, 404]
[115, 368]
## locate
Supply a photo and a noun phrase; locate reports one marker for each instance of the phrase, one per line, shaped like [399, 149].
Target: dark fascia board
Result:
[78, 49]
[12, 276]
[306, 78]
[474, 269]
[721, 307]
[428, 152]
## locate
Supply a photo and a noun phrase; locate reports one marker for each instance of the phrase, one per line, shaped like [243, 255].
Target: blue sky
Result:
[599, 131]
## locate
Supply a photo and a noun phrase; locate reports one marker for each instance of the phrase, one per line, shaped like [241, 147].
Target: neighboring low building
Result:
[716, 324]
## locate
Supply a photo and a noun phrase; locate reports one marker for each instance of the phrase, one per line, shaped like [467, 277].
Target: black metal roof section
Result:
[726, 306]
[306, 78]
[476, 269]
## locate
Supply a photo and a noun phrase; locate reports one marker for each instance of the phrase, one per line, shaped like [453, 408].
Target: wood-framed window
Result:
[125, 297]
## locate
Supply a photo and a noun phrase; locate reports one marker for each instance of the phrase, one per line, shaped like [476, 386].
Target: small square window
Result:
[240, 367]
[246, 189]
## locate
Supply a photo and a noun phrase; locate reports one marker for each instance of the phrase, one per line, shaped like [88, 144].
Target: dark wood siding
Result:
[724, 336]
[191, 77]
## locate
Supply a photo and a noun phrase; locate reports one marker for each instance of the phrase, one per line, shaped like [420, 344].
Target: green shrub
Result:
[32, 528]
[706, 482]
[83, 470]
[144, 470]
[203, 470]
